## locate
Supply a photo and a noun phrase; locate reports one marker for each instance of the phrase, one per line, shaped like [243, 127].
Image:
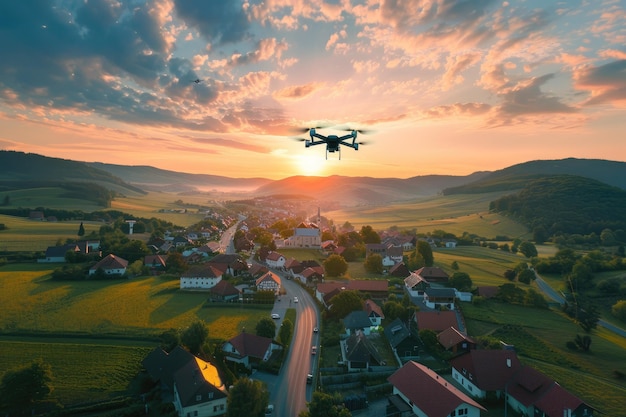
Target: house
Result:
[454, 341]
[110, 265]
[439, 297]
[308, 276]
[200, 277]
[377, 289]
[416, 285]
[531, 393]
[375, 248]
[436, 321]
[231, 264]
[269, 282]
[194, 385]
[275, 260]
[433, 274]
[449, 243]
[399, 270]
[357, 321]
[483, 372]
[155, 262]
[374, 312]
[56, 254]
[224, 291]
[392, 256]
[248, 349]
[359, 353]
[487, 291]
[430, 395]
[403, 344]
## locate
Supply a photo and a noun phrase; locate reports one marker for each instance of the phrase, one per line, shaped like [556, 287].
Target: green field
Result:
[454, 214]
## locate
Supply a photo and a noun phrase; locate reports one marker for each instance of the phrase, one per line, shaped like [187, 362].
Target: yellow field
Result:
[32, 303]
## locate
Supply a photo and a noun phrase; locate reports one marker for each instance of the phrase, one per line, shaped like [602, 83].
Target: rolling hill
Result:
[517, 176]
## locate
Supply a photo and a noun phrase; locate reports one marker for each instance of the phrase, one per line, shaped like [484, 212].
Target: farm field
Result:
[454, 214]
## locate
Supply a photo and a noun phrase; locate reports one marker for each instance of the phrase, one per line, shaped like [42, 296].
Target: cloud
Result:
[217, 21]
[457, 109]
[527, 98]
[606, 83]
[229, 143]
[298, 91]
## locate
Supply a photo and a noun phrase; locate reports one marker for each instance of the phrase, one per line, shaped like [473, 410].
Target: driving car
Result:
[313, 350]
[295, 299]
[315, 330]
[275, 316]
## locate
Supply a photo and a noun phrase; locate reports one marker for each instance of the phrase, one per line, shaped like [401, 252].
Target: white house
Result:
[430, 395]
[200, 277]
[111, 265]
[194, 386]
[275, 260]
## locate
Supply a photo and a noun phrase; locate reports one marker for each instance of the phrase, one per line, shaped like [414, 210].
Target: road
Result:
[558, 297]
[290, 392]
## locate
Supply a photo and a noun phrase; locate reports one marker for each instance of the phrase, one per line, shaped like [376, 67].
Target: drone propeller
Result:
[362, 131]
[299, 139]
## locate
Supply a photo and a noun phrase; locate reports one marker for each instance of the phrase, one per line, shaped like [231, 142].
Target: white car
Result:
[295, 299]
[275, 316]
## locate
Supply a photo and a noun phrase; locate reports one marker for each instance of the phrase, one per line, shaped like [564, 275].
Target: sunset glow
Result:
[446, 87]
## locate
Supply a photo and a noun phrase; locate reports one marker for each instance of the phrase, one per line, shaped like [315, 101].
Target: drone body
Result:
[333, 142]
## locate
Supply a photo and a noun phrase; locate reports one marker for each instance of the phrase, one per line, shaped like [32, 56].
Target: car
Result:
[269, 410]
[275, 316]
[313, 350]
[315, 330]
[295, 299]
[309, 378]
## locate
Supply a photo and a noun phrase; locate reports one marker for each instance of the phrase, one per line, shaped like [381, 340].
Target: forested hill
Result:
[517, 176]
[566, 204]
[26, 170]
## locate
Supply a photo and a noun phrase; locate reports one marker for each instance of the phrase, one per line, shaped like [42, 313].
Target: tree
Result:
[461, 281]
[345, 302]
[369, 235]
[424, 249]
[510, 274]
[325, 405]
[374, 263]
[169, 339]
[285, 331]
[81, 229]
[528, 249]
[526, 276]
[247, 397]
[619, 310]
[583, 342]
[175, 263]
[335, 265]
[194, 336]
[266, 328]
[23, 386]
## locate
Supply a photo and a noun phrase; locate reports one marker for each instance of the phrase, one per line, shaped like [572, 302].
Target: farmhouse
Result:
[275, 260]
[436, 321]
[200, 277]
[374, 312]
[110, 265]
[359, 353]
[433, 274]
[194, 385]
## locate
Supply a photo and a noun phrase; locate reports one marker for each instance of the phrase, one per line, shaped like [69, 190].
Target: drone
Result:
[197, 81]
[333, 142]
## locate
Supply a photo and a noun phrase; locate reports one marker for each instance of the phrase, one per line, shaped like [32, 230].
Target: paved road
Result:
[289, 391]
[558, 297]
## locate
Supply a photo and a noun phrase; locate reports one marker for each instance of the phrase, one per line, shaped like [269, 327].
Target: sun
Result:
[310, 164]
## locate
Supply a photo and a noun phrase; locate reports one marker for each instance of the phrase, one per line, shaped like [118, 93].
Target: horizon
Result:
[447, 88]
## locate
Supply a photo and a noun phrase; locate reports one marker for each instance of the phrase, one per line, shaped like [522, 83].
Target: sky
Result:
[446, 87]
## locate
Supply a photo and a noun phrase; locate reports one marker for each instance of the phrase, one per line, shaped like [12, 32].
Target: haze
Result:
[448, 87]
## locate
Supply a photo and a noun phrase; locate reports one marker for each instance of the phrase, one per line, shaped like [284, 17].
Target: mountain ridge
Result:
[342, 190]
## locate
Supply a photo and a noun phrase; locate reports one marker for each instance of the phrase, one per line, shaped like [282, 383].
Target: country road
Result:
[558, 297]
